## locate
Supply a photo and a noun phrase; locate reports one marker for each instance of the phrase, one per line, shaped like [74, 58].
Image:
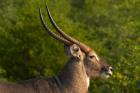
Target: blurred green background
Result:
[111, 27]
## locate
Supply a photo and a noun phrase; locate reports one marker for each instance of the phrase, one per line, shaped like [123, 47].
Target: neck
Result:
[88, 82]
[73, 77]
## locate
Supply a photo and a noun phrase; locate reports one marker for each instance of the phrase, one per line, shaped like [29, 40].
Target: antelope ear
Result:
[67, 50]
[75, 51]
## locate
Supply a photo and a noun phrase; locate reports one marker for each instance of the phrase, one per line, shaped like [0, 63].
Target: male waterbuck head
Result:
[94, 67]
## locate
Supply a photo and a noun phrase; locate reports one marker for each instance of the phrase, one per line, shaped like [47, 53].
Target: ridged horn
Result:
[83, 47]
[50, 32]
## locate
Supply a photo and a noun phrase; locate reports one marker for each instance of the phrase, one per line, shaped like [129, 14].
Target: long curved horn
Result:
[83, 47]
[50, 32]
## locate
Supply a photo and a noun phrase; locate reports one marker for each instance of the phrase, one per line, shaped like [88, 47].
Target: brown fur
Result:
[72, 79]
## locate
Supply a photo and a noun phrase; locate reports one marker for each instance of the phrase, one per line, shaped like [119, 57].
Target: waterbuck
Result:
[83, 64]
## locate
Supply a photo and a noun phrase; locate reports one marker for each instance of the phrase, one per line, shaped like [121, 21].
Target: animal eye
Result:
[92, 56]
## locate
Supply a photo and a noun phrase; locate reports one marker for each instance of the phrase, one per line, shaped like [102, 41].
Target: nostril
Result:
[111, 69]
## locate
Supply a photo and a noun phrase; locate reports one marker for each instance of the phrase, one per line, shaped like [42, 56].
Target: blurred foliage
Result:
[111, 27]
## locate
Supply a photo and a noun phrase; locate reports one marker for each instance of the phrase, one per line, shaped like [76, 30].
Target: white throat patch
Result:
[88, 82]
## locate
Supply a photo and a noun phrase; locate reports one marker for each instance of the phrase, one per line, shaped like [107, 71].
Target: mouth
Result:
[109, 73]
[106, 75]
